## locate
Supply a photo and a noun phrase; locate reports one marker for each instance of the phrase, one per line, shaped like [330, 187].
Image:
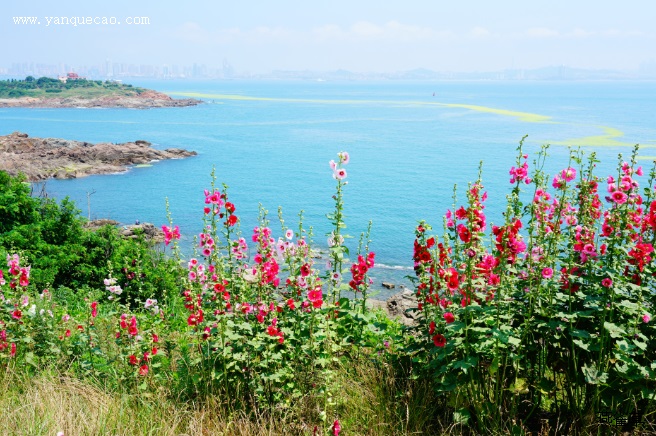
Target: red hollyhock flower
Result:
[464, 233]
[439, 340]
[143, 370]
[132, 359]
[336, 428]
[449, 318]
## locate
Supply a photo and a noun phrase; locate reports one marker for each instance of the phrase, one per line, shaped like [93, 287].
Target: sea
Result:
[411, 144]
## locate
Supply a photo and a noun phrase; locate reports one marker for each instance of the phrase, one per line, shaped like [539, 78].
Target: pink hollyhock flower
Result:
[619, 197]
[607, 282]
[339, 174]
[17, 314]
[568, 174]
[12, 351]
[449, 318]
[547, 273]
[646, 318]
[94, 309]
[344, 157]
[289, 234]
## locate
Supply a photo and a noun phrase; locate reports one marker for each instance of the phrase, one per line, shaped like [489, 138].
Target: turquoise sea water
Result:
[409, 144]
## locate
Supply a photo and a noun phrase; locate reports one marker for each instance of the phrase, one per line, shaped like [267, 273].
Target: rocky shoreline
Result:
[145, 100]
[44, 158]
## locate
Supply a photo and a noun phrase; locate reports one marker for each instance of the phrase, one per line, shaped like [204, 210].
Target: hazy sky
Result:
[358, 35]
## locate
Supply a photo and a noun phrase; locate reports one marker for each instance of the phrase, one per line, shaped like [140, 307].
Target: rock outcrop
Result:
[43, 158]
[145, 100]
[131, 231]
[400, 306]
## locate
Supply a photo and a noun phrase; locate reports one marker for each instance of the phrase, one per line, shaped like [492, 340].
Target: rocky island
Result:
[43, 158]
[76, 92]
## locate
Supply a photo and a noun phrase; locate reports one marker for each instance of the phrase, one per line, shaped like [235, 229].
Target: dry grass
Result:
[46, 404]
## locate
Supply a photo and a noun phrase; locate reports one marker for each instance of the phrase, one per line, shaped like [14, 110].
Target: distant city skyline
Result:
[259, 37]
[110, 70]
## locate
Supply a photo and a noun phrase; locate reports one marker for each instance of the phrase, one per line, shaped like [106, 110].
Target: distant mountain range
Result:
[545, 73]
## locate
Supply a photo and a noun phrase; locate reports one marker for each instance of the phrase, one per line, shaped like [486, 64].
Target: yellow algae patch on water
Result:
[608, 139]
[522, 116]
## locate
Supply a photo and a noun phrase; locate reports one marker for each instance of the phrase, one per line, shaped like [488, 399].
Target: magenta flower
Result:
[619, 197]
[646, 318]
[547, 273]
[607, 282]
[568, 174]
[336, 428]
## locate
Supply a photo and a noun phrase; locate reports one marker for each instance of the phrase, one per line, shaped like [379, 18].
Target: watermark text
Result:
[75, 21]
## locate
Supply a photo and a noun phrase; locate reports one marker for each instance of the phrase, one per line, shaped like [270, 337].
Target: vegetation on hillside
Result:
[45, 87]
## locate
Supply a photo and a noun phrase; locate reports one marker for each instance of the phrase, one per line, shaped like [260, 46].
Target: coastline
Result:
[44, 158]
[145, 100]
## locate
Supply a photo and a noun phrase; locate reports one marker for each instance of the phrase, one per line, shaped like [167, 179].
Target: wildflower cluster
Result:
[562, 278]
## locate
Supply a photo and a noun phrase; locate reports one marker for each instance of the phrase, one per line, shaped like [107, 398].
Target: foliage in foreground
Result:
[545, 323]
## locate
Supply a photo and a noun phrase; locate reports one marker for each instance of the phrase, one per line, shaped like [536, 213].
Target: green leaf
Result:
[461, 416]
[31, 359]
[520, 386]
[579, 333]
[593, 375]
[467, 363]
[579, 343]
[614, 330]
[514, 341]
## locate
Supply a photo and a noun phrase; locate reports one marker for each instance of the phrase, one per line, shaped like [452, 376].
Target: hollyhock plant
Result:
[504, 302]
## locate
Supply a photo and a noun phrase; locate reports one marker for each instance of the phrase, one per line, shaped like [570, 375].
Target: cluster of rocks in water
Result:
[43, 158]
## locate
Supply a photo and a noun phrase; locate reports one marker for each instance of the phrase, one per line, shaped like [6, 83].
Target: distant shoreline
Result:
[78, 92]
[151, 99]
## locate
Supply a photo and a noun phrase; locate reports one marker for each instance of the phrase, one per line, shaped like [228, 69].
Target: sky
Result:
[356, 35]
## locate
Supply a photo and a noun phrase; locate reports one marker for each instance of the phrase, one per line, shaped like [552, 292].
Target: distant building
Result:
[72, 76]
